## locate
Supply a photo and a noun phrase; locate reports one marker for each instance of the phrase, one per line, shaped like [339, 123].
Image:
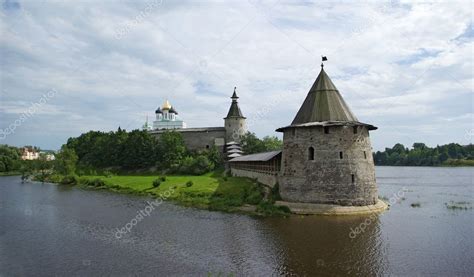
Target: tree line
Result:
[421, 155]
[137, 150]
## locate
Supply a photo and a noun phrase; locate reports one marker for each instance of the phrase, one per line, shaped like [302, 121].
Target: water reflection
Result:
[324, 245]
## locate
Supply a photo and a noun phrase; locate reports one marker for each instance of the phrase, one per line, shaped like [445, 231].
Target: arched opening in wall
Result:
[354, 129]
[365, 155]
[207, 146]
[326, 129]
[293, 132]
[311, 153]
[353, 178]
[341, 155]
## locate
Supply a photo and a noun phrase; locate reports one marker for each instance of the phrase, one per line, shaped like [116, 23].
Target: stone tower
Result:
[327, 156]
[235, 125]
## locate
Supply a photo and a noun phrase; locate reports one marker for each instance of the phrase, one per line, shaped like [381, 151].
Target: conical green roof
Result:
[323, 103]
[234, 110]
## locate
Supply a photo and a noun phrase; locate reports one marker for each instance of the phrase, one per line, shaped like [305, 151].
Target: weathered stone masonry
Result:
[326, 156]
[328, 168]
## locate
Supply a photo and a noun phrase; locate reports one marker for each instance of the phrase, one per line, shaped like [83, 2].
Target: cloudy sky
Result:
[67, 68]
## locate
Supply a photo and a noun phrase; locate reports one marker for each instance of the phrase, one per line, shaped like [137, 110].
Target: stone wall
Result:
[200, 138]
[328, 178]
[235, 128]
[266, 179]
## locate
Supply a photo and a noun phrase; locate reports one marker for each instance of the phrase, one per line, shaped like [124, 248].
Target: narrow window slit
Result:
[311, 153]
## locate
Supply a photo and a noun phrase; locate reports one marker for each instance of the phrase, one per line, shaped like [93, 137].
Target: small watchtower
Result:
[327, 155]
[235, 124]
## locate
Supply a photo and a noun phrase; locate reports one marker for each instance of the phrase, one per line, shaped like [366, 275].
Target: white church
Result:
[166, 118]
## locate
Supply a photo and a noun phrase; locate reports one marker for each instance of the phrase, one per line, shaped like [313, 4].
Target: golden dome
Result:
[166, 105]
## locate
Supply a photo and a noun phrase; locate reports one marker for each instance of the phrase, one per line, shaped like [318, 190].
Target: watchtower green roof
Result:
[323, 103]
[234, 110]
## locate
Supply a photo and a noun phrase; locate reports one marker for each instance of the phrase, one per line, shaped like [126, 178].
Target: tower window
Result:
[353, 178]
[311, 153]
[365, 155]
[326, 130]
[340, 155]
[354, 129]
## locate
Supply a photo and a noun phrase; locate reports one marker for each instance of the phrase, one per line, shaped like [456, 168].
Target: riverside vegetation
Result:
[135, 162]
[131, 162]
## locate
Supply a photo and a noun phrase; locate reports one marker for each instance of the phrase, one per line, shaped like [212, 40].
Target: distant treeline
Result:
[451, 154]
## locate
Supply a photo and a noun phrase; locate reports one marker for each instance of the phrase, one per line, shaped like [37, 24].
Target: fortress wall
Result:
[328, 179]
[266, 179]
[202, 138]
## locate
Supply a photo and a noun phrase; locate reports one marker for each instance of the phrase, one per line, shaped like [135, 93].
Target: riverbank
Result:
[211, 191]
[10, 173]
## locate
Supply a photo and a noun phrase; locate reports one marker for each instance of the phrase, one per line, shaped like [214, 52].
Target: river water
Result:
[48, 230]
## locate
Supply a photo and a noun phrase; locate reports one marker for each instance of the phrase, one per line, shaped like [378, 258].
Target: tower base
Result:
[327, 209]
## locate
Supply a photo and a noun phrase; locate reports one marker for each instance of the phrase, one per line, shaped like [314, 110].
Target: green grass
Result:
[10, 173]
[210, 191]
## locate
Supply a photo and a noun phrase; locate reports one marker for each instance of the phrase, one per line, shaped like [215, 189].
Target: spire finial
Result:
[234, 95]
[323, 59]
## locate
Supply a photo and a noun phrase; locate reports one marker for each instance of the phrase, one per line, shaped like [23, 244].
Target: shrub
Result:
[156, 183]
[276, 192]
[69, 180]
[107, 174]
[415, 205]
[254, 196]
[92, 183]
[225, 178]
[196, 165]
[163, 178]
[267, 208]
[189, 184]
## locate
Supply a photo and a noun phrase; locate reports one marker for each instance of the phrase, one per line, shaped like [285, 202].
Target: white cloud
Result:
[392, 61]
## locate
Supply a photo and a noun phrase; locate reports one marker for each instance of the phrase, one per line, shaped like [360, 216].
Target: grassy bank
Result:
[10, 173]
[212, 191]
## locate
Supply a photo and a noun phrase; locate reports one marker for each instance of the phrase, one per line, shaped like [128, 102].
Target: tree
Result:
[171, 150]
[139, 150]
[252, 144]
[43, 166]
[10, 158]
[272, 143]
[65, 162]
[422, 155]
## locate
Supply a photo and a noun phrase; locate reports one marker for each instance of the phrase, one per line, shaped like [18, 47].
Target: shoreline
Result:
[208, 192]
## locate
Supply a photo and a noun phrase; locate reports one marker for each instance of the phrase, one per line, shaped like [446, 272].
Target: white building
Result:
[167, 118]
[29, 153]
